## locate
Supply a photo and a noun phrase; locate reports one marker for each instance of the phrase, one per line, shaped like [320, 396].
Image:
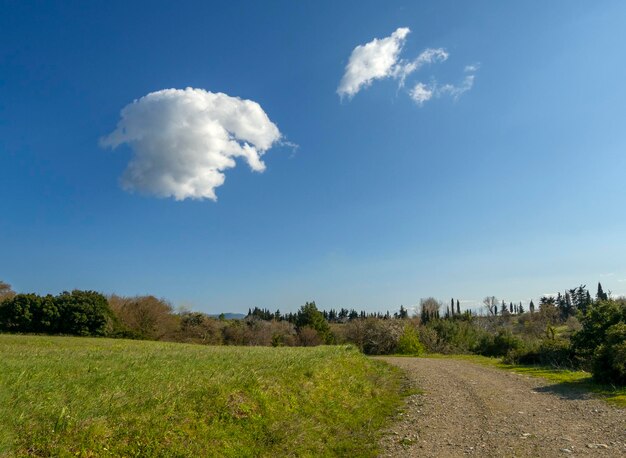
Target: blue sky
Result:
[514, 188]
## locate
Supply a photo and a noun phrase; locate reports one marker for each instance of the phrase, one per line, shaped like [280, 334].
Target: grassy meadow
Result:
[70, 396]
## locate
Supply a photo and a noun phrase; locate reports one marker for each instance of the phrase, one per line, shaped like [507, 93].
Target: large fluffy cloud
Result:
[183, 140]
[373, 60]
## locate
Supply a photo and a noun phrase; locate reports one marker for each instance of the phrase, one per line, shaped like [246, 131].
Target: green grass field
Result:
[580, 380]
[64, 396]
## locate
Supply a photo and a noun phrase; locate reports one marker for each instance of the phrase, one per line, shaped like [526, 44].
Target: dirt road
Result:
[467, 409]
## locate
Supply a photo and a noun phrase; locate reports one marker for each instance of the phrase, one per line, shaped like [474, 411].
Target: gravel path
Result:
[468, 409]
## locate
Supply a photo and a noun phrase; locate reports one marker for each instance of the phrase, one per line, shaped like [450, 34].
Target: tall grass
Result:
[64, 396]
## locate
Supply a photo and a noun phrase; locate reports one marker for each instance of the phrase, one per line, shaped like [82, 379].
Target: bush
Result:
[409, 342]
[309, 316]
[556, 353]
[609, 360]
[456, 336]
[145, 317]
[374, 336]
[309, 337]
[601, 342]
[595, 324]
[499, 344]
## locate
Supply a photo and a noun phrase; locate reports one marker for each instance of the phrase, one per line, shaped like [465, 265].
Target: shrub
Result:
[310, 316]
[595, 323]
[499, 344]
[609, 359]
[309, 337]
[409, 342]
[457, 336]
[145, 317]
[199, 328]
[374, 336]
[548, 352]
[591, 343]
[431, 341]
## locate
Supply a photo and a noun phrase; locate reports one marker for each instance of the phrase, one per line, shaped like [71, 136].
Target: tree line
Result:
[572, 329]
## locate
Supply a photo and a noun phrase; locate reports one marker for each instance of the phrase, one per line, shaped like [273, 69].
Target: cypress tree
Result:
[601, 295]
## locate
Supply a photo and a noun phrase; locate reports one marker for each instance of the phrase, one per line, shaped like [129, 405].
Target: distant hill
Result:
[230, 316]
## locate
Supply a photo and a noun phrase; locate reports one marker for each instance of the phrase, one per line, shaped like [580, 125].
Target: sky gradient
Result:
[515, 188]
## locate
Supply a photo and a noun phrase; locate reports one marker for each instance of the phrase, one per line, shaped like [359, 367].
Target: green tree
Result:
[409, 342]
[601, 295]
[16, 313]
[310, 316]
[83, 313]
[609, 359]
[595, 323]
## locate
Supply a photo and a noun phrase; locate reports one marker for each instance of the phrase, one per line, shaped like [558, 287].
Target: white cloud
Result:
[183, 141]
[457, 91]
[421, 94]
[373, 60]
[380, 58]
[428, 56]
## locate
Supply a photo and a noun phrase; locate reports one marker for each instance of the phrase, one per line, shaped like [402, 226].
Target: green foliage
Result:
[16, 314]
[609, 359]
[454, 336]
[499, 344]
[595, 323]
[83, 313]
[310, 316]
[549, 352]
[76, 313]
[409, 342]
[601, 343]
[68, 396]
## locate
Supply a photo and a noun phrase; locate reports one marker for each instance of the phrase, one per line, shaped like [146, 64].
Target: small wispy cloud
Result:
[421, 94]
[428, 56]
[380, 59]
[457, 91]
[374, 60]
